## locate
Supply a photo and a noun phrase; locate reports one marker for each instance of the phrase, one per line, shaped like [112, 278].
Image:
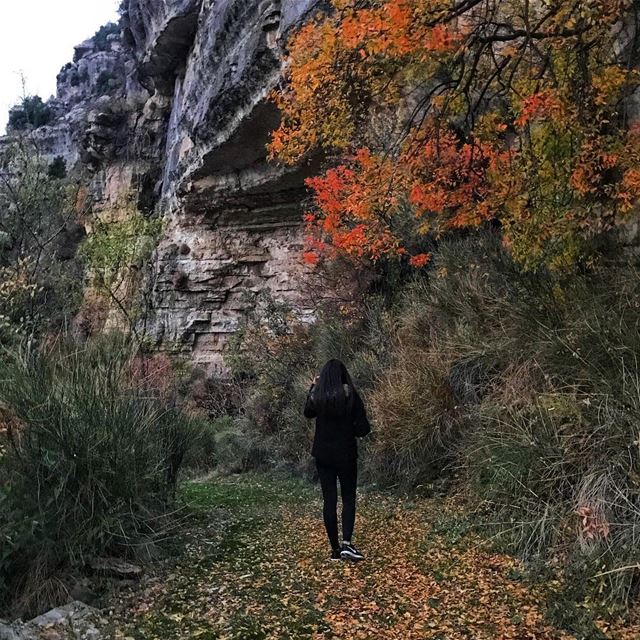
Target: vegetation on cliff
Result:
[30, 113]
[40, 281]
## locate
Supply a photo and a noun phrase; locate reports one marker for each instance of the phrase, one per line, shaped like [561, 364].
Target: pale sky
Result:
[37, 38]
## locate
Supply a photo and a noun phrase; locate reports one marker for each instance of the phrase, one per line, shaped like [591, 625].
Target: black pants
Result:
[329, 475]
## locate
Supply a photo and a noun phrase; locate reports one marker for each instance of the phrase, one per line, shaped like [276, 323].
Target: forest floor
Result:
[254, 565]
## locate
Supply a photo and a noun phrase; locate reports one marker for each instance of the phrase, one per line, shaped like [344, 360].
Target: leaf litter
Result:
[255, 566]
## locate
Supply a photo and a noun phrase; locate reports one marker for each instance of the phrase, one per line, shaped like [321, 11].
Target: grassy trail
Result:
[255, 567]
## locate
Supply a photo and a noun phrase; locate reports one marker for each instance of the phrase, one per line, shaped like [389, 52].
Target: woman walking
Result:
[340, 418]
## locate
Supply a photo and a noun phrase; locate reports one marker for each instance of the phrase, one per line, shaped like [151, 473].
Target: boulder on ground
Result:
[75, 621]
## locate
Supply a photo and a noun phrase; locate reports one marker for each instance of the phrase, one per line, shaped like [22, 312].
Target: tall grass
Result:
[527, 386]
[90, 467]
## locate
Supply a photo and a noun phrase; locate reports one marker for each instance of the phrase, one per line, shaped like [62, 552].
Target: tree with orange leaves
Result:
[441, 115]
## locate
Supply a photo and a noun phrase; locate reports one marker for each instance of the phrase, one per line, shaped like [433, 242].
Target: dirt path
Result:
[256, 567]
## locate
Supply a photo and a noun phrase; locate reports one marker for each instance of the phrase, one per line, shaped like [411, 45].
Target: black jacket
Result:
[335, 438]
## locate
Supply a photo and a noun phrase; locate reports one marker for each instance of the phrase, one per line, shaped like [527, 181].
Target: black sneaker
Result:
[336, 554]
[349, 552]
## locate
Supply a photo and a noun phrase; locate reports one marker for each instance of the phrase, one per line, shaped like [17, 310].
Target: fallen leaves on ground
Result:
[262, 572]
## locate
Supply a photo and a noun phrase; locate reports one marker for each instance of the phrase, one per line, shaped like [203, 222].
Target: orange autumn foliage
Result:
[542, 105]
[434, 183]
[441, 116]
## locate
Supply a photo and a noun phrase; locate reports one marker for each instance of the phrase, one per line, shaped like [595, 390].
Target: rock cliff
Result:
[172, 106]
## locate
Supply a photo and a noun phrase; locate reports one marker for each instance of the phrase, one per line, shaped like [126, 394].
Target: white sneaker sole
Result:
[346, 555]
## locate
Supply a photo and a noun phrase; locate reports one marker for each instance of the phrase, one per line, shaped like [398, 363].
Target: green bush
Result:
[106, 83]
[32, 112]
[555, 455]
[58, 168]
[91, 465]
[101, 36]
[114, 255]
[530, 388]
[453, 331]
[414, 408]
[224, 446]
[40, 279]
[269, 360]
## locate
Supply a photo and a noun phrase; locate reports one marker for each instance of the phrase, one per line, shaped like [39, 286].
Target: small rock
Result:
[115, 568]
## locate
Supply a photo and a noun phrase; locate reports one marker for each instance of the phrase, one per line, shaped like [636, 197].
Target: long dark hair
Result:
[329, 394]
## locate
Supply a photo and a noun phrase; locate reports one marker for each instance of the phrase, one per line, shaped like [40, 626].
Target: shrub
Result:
[58, 168]
[106, 83]
[269, 359]
[529, 386]
[101, 37]
[414, 406]
[235, 450]
[90, 468]
[275, 357]
[222, 446]
[18, 119]
[115, 254]
[40, 280]
[443, 356]
[117, 245]
[555, 456]
[32, 112]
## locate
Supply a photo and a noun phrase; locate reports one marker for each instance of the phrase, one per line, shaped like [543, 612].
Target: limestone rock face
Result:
[175, 108]
[95, 73]
[208, 273]
[239, 216]
[160, 33]
[221, 119]
[97, 76]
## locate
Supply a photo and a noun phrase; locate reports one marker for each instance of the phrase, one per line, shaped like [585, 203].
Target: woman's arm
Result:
[361, 424]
